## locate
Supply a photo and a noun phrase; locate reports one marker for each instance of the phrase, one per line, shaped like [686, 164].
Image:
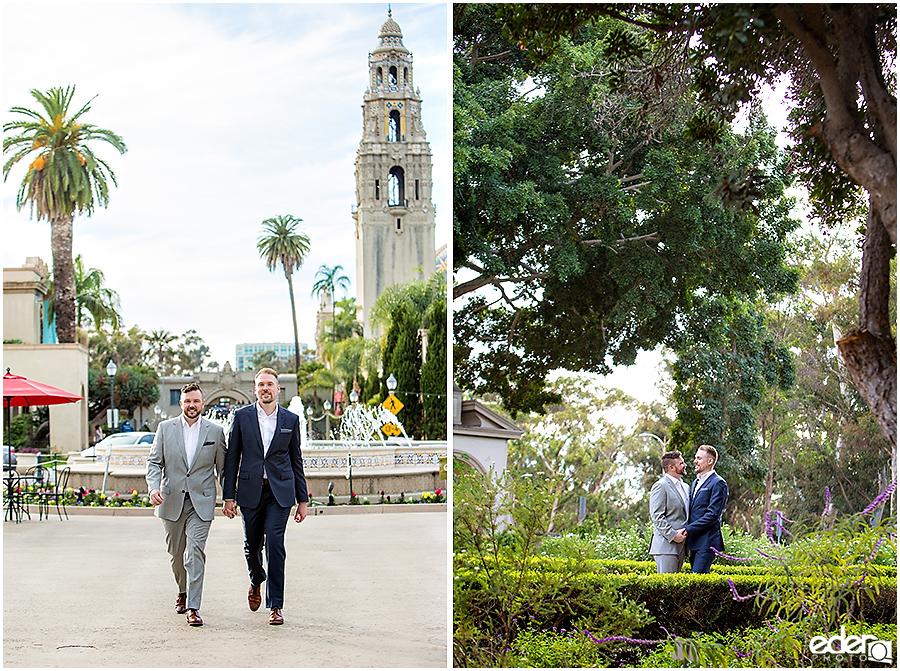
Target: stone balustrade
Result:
[392, 467]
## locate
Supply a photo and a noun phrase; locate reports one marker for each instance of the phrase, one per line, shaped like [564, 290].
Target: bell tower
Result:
[394, 213]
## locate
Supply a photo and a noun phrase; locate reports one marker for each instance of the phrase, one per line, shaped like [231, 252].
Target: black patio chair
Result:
[58, 495]
[12, 506]
[39, 477]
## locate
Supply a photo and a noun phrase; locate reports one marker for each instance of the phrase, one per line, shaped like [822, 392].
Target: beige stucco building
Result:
[394, 213]
[61, 365]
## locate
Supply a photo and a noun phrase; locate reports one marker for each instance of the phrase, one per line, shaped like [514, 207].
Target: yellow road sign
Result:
[390, 429]
[392, 404]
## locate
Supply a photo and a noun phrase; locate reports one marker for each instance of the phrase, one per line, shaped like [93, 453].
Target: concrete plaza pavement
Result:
[362, 591]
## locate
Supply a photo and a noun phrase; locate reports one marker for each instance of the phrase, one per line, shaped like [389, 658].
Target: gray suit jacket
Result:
[668, 514]
[167, 468]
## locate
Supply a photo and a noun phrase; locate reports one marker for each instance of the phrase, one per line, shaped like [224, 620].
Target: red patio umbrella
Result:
[20, 391]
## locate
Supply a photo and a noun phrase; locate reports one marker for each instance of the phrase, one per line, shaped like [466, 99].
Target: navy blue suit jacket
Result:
[245, 458]
[704, 527]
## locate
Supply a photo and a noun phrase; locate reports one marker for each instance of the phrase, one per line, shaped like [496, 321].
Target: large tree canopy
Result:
[839, 60]
[587, 223]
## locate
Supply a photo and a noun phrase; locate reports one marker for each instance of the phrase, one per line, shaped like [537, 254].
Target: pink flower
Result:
[438, 491]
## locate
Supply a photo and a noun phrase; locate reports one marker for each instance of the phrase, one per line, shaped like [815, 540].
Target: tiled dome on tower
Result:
[394, 213]
[390, 37]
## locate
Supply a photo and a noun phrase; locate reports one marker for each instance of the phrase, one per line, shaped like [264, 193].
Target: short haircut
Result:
[670, 458]
[266, 371]
[711, 451]
[191, 386]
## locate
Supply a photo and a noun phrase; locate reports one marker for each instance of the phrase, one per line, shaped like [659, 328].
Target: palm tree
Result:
[283, 243]
[326, 284]
[91, 297]
[64, 179]
[160, 345]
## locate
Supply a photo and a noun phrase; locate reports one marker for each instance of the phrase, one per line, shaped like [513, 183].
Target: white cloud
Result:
[232, 113]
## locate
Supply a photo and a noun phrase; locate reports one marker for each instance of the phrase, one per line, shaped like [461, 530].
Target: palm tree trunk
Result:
[294, 317]
[63, 278]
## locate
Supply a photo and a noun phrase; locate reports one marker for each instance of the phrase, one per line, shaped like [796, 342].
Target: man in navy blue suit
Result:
[709, 494]
[263, 465]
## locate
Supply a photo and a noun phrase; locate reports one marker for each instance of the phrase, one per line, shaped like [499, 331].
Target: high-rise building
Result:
[284, 351]
[394, 213]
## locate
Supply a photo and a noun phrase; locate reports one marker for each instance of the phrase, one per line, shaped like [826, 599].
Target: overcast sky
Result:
[232, 113]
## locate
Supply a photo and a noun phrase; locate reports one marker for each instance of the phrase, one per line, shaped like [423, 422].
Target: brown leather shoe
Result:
[275, 617]
[253, 597]
[193, 618]
[181, 603]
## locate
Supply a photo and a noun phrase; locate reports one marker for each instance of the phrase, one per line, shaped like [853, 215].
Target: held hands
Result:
[680, 535]
[156, 497]
[229, 509]
[300, 515]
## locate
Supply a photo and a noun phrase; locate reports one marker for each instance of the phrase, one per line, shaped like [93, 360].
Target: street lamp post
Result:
[353, 398]
[111, 369]
[327, 406]
[309, 426]
[391, 383]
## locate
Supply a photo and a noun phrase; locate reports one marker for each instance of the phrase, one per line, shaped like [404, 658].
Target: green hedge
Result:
[683, 603]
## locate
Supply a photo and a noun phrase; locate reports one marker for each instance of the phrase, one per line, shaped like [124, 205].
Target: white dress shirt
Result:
[191, 436]
[681, 487]
[266, 430]
[702, 478]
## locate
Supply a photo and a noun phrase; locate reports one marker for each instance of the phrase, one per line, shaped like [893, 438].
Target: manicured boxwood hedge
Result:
[683, 603]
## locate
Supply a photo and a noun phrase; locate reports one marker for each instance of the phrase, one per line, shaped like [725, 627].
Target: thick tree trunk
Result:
[63, 278]
[870, 352]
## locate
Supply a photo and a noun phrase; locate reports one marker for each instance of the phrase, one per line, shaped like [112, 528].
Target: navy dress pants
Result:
[265, 526]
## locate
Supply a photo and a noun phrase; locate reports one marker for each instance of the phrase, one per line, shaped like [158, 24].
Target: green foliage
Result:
[497, 594]
[434, 374]
[826, 580]
[555, 649]
[585, 217]
[582, 444]
[726, 363]
[416, 296]
[126, 348]
[95, 303]
[66, 177]
[22, 429]
[403, 364]
[282, 243]
[729, 650]
[135, 386]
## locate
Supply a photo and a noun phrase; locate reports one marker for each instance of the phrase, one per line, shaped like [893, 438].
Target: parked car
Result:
[128, 439]
[9, 458]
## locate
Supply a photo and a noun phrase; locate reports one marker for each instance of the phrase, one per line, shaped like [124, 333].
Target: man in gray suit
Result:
[668, 512]
[187, 455]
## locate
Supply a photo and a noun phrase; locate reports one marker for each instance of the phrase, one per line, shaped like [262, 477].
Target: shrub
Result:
[734, 650]
[498, 594]
[632, 542]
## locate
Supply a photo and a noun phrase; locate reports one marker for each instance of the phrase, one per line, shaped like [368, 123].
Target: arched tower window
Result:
[405, 77]
[378, 76]
[392, 75]
[396, 187]
[394, 126]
